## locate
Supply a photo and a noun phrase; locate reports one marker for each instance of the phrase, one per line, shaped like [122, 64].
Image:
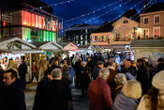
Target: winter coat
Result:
[39, 102]
[22, 70]
[13, 96]
[143, 76]
[84, 77]
[124, 103]
[145, 103]
[57, 95]
[99, 95]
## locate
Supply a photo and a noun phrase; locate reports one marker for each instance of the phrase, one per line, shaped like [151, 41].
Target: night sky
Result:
[93, 11]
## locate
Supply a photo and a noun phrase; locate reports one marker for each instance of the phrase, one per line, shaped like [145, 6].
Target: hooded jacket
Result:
[124, 103]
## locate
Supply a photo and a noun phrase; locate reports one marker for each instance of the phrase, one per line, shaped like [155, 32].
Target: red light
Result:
[4, 23]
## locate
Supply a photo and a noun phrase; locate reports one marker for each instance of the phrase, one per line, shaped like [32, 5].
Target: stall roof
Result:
[70, 47]
[15, 44]
[51, 46]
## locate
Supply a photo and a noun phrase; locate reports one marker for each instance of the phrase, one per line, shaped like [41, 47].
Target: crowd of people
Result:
[111, 82]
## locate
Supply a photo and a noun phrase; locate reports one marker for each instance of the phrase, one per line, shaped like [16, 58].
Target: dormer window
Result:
[125, 21]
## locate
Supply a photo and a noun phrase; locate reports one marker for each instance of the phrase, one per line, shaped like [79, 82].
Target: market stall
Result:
[14, 48]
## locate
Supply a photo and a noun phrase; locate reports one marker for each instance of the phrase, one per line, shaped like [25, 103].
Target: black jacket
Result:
[57, 95]
[40, 97]
[13, 96]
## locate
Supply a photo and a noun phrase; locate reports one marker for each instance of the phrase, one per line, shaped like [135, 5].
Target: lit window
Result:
[146, 33]
[146, 21]
[156, 32]
[156, 19]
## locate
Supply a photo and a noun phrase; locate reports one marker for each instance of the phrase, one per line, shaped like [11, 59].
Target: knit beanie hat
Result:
[132, 89]
[158, 80]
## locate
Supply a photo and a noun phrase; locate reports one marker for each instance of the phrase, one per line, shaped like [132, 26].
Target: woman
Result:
[127, 99]
[154, 100]
[84, 78]
[120, 80]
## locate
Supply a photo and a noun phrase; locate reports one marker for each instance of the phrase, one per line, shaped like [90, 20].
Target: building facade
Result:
[80, 35]
[124, 29]
[30, 22]
[101, 39]
[151, 25]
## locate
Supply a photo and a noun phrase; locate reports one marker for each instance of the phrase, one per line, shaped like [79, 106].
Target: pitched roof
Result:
[154, 8]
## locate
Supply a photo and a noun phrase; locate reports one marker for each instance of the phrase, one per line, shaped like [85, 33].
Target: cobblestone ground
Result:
[78, 102]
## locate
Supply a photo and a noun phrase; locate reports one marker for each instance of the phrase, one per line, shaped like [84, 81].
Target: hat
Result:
[158, 80]
[132, 89]
[100, 62]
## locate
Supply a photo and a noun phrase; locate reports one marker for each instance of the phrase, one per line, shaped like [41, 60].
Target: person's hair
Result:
[104, 73]
[153, 93]
[56, 73]
[65, 67]
[161, 59]
[23, 58]
[13, 73]
[48, 71]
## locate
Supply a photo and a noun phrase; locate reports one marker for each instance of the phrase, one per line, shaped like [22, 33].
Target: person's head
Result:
[65, 61]
[120, 79]
[83, 64]
[140, 62]
[161, 60]
[104, 73]
[9, 77]
[127, 64]
[89, 59]
[65, 68]
[23, 58]
[56, 74]
[158, 80]
[133, 63]
[100, 64]
[48, 73]
[132, 89]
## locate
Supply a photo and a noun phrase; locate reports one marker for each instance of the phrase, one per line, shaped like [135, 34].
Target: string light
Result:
[92, 12]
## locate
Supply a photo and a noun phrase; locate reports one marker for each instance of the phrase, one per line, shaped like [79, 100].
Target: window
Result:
[146, 20]
[125, 21]
[156, 32]
[96, 38]
[156, 19]
[146, 33]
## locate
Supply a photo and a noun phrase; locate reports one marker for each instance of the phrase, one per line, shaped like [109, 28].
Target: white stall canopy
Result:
[15, 44]
[51, 46]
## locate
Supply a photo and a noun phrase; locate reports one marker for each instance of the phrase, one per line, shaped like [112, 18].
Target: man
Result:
[97, 68]
[99, 92]
[22, 69]
[13, 91]
[57, 95]
[160, 65]
[41, 90]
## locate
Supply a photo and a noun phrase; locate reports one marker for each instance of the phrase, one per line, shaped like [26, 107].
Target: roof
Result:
[106, 27]
[154, 8]
[19, 4]
[76, 28]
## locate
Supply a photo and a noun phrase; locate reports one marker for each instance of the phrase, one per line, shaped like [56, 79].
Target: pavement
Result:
[79, 103]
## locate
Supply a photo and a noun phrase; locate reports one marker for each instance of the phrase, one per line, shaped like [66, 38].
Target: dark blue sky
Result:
[92, 11]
